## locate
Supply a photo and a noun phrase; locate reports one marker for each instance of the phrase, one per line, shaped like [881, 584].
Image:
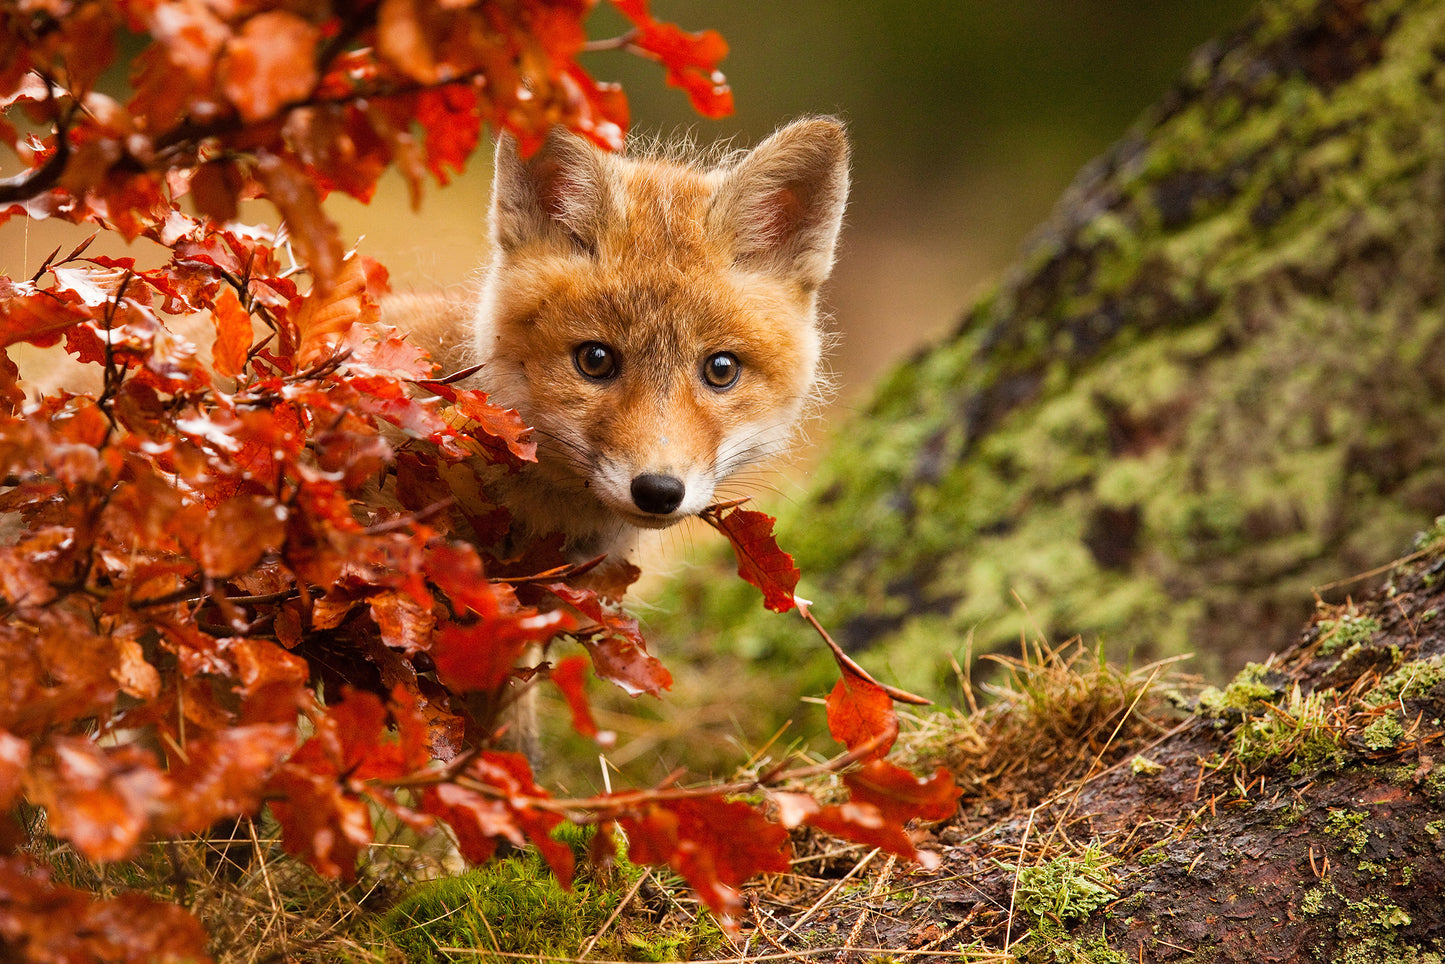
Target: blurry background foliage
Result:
[968, 118]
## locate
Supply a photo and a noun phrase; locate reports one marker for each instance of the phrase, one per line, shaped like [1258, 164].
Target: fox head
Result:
[654, 321]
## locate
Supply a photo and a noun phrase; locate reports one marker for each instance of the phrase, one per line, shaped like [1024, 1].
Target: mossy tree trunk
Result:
[1215, 380]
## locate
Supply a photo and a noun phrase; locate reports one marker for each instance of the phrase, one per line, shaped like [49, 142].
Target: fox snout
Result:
[657, 494]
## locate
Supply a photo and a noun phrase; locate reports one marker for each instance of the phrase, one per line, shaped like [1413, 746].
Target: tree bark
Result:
[1213, 381]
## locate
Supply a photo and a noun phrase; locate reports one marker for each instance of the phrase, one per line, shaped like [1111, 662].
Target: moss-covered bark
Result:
[1296, 816]
[1214, 380]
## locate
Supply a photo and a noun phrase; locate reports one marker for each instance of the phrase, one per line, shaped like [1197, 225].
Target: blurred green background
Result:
[968, 119]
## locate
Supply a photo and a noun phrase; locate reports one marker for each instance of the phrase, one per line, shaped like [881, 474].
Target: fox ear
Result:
[781, 206]
[557, 193]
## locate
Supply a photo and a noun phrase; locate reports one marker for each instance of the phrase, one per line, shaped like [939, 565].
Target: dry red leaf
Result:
[626, 662]
[570, 676]
[713, 843]
[41, 920]
[883, 799]
[760, 561]
[233, 334]
[270, 63]
[483, 654]
[691, 59]
[860, 714]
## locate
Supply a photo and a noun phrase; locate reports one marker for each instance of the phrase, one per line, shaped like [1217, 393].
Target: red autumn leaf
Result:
[224, 773]
[883, 798]
[713, 843]
[14, 758]
[860, 712]
[865, 825]
[452, 122]
[619, 653]
[269, 64]
[38, 317]
[570, 679]
[216, 190]
[405, 622]
[323, 790]
[349, 297]
[232, 535]
[478, 822]
[101, 800]
[11, 395]
[456, 569]
[384, 397]
[320, 821]
[315, 235]
[691, 59]
[494, 421]
[233, 334]
[41, 920]
[760, 561]
[607, 615]
[900, 795]
[508, 812]
[382, 350]
[627, 663]
[481, 655]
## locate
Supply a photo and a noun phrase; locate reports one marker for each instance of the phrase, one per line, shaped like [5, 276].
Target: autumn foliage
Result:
[239, 573]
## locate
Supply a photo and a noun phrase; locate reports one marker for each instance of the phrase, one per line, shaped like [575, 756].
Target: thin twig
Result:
[616, 912]
[857, 868]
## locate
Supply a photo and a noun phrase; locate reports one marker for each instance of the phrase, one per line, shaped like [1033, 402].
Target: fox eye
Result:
[595, 360]
[721, 370]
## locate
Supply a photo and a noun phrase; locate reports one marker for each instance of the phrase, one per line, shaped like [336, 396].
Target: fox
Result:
[654, 318]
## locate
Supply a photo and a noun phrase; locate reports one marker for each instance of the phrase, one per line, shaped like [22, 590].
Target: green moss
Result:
[1384, 733]
[1349, 827]
[1151, 857]
[1319, 899]
[1369, 932]
[1370, 869]
[1300, 731]
[1066, 888]
[1145, 767]
[1248, 692]
[1049, 943]
[514, 906]
[1409, 681]
[1433, 536]
[1336, 635]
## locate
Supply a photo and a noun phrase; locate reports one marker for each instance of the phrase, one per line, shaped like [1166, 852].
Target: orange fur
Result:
[667, 266]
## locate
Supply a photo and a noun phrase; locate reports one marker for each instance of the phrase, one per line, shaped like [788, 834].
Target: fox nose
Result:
[658, 494]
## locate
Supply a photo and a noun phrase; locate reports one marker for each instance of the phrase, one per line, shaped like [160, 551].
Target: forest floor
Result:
[1108, 815]
[1297, 815]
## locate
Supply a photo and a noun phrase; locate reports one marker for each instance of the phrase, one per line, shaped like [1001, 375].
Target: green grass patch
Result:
[514, 906]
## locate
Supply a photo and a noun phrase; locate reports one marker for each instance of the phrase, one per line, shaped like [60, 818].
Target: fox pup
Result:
[654, 321]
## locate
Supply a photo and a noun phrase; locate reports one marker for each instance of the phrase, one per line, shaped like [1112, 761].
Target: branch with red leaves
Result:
[860, 709]
[291, 104]
[196, 552]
